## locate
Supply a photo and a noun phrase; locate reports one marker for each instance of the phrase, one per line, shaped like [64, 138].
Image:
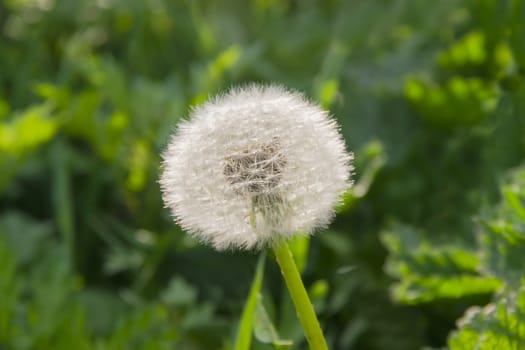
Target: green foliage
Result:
[431, 271]
[428, 272]
[499, 325]
[264, 329]
[501, 234]
[45, 306]
[430, 98]
[459, 101]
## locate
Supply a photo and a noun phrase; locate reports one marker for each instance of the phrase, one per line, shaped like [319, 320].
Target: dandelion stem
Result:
[300, 298]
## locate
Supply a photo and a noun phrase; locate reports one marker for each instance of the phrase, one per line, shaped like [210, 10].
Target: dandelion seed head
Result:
[257, 164]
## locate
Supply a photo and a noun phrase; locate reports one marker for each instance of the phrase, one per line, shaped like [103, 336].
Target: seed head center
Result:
[256, 169]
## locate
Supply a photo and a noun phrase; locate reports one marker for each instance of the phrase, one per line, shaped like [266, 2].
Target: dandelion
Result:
[254, 166]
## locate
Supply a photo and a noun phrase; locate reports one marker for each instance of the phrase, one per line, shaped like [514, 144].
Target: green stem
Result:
[62, 197]
[300, 298]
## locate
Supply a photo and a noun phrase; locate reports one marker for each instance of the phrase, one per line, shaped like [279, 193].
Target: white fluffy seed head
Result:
[257, 164]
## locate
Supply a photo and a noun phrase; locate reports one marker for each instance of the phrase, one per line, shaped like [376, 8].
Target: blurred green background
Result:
[426, 252]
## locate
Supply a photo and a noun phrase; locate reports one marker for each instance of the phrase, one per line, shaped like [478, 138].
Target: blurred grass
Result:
[429, 95]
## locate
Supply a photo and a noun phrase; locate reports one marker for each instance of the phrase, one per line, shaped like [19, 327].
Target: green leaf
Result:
[147, 328]
[429, 271]
[264, 329]
[420, 288]
[244, 333]
[27, 131]
[499, 325]
[502, 237]
[62, 195]
[459, 101]
[25, 237]
[469, 50]
[179, 293]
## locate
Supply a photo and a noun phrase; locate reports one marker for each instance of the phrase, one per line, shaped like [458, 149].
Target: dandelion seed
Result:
[254, 165]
